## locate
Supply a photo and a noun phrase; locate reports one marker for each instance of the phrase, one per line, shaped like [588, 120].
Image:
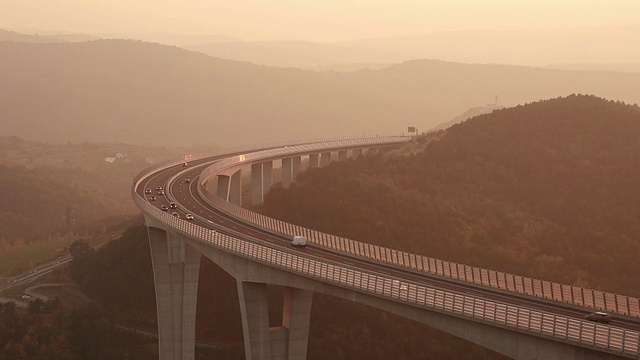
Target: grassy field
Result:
[31, 255]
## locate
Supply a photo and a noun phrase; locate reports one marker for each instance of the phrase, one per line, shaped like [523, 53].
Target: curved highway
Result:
[180, 185]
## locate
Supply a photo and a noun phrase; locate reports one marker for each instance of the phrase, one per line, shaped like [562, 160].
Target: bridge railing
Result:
[562, 328]
[570, 294]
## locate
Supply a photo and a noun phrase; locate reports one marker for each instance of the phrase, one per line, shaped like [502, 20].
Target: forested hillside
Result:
[40, 180]
[34, 206]
[545, 190]
[548, 190]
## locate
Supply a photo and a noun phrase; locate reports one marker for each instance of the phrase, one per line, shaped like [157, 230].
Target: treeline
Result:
[39, 180]
[49, 331]
[34, 206]
[545, 190]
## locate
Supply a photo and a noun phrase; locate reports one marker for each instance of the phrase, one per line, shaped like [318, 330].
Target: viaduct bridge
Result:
[520, 317]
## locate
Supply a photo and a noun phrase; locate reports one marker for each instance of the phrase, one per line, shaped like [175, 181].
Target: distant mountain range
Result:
[6, 35]
[151, 94]
[565, 47]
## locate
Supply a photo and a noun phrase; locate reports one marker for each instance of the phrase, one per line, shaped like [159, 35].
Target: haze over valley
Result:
[151, 94]
[519, 169]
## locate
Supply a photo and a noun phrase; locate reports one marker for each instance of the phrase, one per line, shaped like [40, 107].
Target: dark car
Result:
[185, 164]
[158, 187]
[147, 191]
[187, 180]
[175, 214]
[164, 208]
[152, 198]
[160, 192]
[173, 205]
[599, 316]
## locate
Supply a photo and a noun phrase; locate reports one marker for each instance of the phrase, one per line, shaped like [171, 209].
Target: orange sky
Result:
[326, 20]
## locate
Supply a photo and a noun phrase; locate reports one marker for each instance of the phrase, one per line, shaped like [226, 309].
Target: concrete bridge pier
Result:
[176, 269]
[286, 342]
[356, 152]
[342, 155]
[287, 172]
[267, 177]
[313, 161]
[261, 181]
[256, 183]
[230, 187]
[296, 166]
[372, 151]
[325, 159]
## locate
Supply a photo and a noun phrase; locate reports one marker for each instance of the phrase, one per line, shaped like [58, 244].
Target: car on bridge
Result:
[173, 205]
[189, 217]
[147, 191]
[164, 208]
[187, 180]
[599, 316]
[160, 192]
[152, 198]
[175, 214]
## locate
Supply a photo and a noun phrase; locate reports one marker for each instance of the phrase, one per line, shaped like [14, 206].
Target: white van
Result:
[299, 241]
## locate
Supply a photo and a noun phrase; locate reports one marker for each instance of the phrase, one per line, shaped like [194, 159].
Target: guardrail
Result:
[570, 294]
[546, 324]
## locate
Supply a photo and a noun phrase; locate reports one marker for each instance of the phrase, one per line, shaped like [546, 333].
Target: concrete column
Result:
[223, 187]
[296, 317]
[297, 167]
[176, 267]
[325, 159]
[313, 161]
[255, 320]
[342, 155]
[287, 173]
[267, 177]
[356, 152]
[235, 188]
[256, 184]
[372, 151]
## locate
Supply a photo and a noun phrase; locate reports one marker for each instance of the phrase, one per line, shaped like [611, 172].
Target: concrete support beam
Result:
[223, 186]
[325, 159]
[356, 152]
[256, 184]
[235, 188]
[297, 166]
[176, 267]
[287, 172]
[261, 181]
[267, 177]
[296, 317]
[254, 311]
[313, 161]
[286, 342]
[342, 155]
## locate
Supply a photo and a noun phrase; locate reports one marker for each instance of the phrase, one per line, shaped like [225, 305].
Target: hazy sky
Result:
[319, 20]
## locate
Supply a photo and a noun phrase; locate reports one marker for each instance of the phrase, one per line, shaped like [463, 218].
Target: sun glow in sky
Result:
[326, 20]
